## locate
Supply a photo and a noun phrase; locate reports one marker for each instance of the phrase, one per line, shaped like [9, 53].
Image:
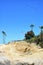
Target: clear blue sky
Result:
[17, 15]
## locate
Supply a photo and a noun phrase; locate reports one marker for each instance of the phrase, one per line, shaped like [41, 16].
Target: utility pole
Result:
[4, 36]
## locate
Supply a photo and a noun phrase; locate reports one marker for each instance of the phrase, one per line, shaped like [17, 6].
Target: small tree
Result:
[4, 35]
[41, 34]
[29, 35]
[31, 26]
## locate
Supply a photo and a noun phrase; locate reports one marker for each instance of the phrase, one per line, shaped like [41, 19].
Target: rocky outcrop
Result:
[4, 60]
[24, 64]
[21, 53]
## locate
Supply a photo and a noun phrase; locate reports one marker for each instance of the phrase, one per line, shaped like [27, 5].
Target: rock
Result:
[24, 64]
[19, 63]
[4, 60]
[25, 54]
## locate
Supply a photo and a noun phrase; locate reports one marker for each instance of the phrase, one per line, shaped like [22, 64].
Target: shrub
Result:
[41, 45]
[29, 35]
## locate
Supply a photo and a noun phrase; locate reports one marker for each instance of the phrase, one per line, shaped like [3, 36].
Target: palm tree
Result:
[31, 27]
[4, 35]
[41, 27]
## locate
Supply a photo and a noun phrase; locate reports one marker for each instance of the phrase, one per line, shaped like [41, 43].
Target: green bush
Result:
[41, 45]
[29, 35]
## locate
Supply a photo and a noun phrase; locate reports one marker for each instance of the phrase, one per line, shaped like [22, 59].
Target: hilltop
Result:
[21, 53]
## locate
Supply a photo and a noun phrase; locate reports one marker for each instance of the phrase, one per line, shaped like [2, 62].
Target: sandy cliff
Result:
[21, 53]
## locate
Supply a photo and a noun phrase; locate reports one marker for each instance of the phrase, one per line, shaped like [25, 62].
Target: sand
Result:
[21, 53]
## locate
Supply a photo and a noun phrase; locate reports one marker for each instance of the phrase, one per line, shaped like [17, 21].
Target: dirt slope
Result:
[22, 52]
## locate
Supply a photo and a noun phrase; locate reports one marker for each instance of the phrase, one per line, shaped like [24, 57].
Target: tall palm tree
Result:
[4, 35]
[31, 27]
[41, 27]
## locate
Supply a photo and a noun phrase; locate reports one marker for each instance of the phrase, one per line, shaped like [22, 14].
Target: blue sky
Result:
[17, 15]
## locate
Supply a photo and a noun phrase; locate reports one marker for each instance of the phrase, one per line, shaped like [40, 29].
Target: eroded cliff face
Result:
[21, 53]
